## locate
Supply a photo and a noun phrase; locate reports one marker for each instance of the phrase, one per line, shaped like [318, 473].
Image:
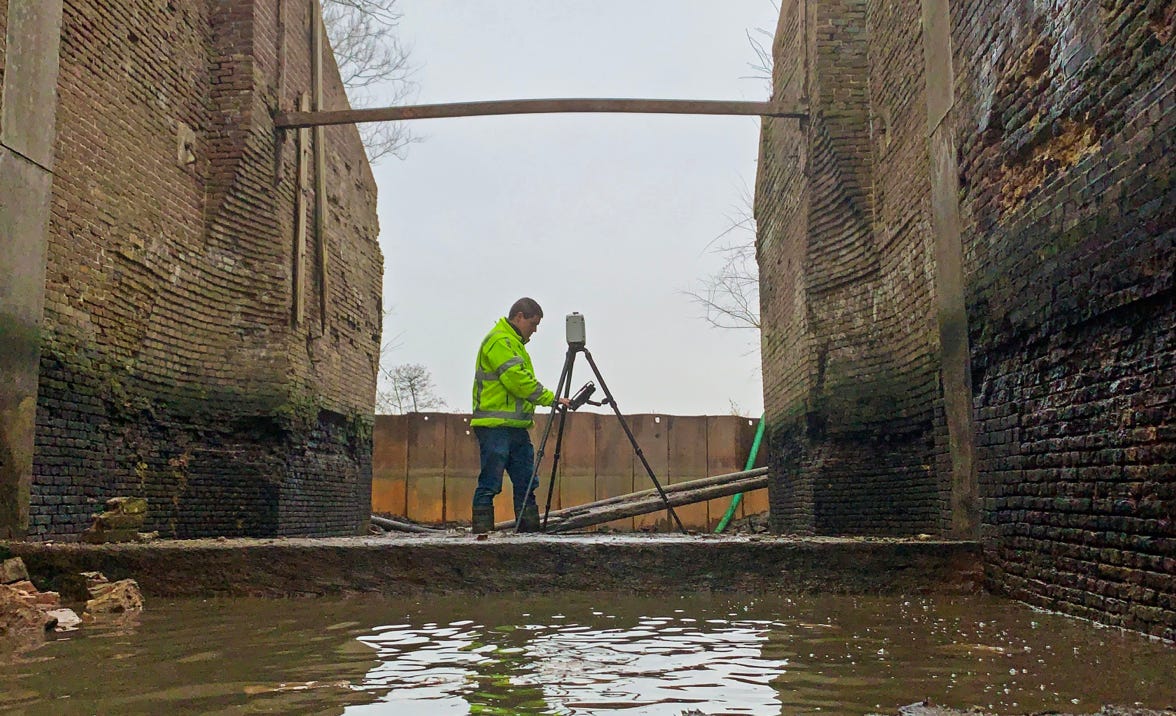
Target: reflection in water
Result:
[649, 665]
[588, 654]
[658, 665]
[198, 657]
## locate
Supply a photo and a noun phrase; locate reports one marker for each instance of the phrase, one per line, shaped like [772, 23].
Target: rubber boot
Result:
[483, 520]
[529, 520]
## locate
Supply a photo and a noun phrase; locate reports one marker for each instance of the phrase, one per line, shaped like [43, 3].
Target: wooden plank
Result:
[614, 465]
[320, 166]
[462, 465]
[651, 434]
[650, 501]
[722, 455]
[283, 45]
[727, 479]
[389, 464]
[298, 289]
[687, 461]
[320, 231]
[393, 525]
[290, 120]
[426, 468]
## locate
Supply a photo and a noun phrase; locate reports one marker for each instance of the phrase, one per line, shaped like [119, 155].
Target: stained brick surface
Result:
[851, 386]
[1066, 123]
[1064, 116]
[170, 366]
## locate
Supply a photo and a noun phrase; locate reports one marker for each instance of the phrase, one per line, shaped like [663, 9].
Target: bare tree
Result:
[374, 65]
[761, 44]
[409, 389]
[761, 68]
[729, 297]
[734, 408]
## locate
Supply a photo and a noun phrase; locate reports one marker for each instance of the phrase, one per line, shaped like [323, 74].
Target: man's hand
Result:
[563, 402]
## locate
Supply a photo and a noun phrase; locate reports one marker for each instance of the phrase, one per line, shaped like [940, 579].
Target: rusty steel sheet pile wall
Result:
[425, 465]
[1061, 118]
[171, 367]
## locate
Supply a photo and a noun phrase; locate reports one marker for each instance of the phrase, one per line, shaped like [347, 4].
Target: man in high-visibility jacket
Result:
[505, 395]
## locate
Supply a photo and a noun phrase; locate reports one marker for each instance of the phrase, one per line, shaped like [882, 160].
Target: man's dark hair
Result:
[528, 306]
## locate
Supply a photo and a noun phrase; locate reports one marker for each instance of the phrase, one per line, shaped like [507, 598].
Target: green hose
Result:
[759, 435]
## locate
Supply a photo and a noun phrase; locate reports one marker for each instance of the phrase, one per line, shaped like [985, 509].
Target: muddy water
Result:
[588, 654]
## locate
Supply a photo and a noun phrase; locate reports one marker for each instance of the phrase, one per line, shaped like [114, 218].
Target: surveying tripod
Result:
[576, 345]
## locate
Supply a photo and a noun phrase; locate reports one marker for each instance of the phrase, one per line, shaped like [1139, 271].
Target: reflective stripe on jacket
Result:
[505, 388]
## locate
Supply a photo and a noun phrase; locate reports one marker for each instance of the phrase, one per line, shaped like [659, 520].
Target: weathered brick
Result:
[170, 367]
[1063, 120]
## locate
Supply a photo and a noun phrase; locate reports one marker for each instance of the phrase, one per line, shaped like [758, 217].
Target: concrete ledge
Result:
[409, 565]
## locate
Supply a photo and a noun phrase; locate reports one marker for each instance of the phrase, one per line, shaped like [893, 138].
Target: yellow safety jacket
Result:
[505, 388]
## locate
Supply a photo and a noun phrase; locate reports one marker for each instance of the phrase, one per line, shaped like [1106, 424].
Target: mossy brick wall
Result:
[851, 385]
[1066, 123]
[782, 216]
[170, 365]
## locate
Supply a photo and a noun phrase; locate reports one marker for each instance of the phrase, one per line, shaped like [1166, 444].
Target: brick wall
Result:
[850, 381]
[782, 214]
[170, 365]
[1066, 123]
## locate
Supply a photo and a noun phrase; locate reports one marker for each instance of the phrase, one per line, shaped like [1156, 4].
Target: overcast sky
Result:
[608, 215]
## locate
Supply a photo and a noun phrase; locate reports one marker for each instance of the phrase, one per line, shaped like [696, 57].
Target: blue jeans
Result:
[505, 449]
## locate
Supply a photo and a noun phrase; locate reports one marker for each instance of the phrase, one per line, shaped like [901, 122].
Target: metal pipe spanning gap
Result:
[294, 120]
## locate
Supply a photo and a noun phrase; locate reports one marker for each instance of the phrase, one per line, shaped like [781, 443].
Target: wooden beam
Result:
[649, 501]
[653, 503]
[300, 205]
[320, 167]
[402, 526]
[292, 120]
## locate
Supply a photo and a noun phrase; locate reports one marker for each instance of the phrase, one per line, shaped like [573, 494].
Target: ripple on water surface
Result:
[588, 654]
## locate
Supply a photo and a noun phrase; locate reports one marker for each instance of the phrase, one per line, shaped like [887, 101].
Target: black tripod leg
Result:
[565, 382]
[563, 419]
[633, 440]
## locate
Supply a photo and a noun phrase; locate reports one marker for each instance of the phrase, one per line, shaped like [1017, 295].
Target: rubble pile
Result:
[119, 522]
[26, 613]
[108, 597]
[756, 524]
